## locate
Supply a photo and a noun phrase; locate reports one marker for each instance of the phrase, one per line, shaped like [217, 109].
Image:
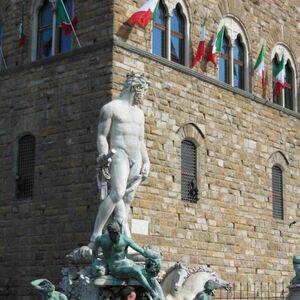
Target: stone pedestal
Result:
[294, 293]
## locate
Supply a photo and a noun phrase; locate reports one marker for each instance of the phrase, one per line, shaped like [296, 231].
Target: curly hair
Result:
[135, 79]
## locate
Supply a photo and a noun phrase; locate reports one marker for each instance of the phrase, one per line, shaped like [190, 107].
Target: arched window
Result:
[275, 64]
[159, 31]
[224, 60]
[238, 63]
[287, 96]
[177, 36]
[277, 192]
[189, 190]
[288, 90]
[26, 160]
[50, 38]
[234, 56]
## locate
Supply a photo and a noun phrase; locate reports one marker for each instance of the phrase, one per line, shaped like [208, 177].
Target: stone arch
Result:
[279, 159]
[281, 48]
[236, 10]
[283, 37]
[191, 131]
[185, 7]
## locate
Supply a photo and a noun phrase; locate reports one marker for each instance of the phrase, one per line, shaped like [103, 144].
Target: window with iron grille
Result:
[26, 158]
[277, 195]
[189, 190]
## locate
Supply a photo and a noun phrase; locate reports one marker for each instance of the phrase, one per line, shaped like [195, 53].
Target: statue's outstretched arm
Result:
[139, 249]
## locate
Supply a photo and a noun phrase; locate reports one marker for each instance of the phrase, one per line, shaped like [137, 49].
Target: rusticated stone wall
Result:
[231, 228]
[239, 136]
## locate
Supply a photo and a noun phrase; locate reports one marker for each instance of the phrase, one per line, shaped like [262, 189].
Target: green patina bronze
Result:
[209, 287]
[47, 289]
[296, 264]
[114, 245]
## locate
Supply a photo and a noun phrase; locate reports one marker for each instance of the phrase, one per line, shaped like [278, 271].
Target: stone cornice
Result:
[180, 68]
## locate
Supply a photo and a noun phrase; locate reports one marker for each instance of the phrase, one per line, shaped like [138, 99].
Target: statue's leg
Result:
[119, 170]
[136, 273]
[123, 207]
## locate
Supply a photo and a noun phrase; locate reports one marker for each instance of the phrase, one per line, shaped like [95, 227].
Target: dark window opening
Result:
[177, 36]
[238, 64]
[26, 160]
[288, 90]
[189, 190]
[277, 193]
[224, 73]
[45, 30]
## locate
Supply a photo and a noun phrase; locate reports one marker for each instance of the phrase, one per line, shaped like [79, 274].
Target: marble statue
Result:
[47, 289]
[114, 246]
[296, 264]
[121, 145]
[184, 283]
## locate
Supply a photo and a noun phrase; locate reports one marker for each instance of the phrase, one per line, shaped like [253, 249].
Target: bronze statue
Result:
[209, 288]
[114, 245]
[47, 289]
[296, 264]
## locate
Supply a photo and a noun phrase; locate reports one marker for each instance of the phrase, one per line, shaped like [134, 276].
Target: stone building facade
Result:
[239, 136]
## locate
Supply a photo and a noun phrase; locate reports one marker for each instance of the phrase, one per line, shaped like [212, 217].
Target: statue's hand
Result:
[145, 171]
[101, 158]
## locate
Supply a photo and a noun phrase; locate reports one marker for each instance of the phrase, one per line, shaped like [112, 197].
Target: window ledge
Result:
[119, 43]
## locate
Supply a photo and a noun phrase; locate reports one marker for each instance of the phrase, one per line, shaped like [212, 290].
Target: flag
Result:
[64, 19]
[144, 14]
[259, 67]
[280, 77]
[22, 36]
[201, 46]
[216, 47]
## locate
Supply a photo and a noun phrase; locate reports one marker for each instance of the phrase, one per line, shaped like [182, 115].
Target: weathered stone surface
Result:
[58, 100]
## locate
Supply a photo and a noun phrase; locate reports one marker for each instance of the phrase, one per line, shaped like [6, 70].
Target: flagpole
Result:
[63, 5]
[2, 55]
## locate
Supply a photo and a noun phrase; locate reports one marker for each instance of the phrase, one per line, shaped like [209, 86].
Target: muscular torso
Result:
[114, 253]
[126, 132]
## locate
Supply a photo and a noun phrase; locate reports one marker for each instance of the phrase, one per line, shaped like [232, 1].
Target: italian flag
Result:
[259, 67]
[144, 14]
[216, 47]
[280, 77]
[64, 19]
[22, 36]
[201, 45]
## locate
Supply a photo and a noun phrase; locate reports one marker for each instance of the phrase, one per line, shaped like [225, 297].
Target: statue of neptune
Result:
[121, 131]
